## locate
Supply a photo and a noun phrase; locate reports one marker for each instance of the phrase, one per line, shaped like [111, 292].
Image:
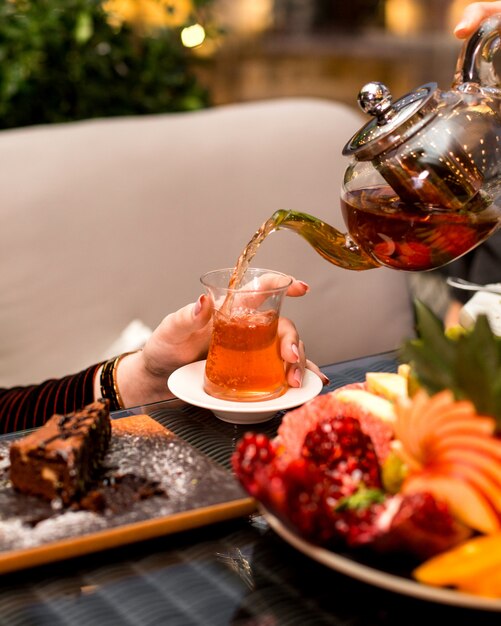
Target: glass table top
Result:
[238, 572]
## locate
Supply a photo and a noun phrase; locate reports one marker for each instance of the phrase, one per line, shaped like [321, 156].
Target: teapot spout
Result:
[328, 242]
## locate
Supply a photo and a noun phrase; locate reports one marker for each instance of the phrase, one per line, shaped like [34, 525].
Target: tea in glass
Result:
[244, 362]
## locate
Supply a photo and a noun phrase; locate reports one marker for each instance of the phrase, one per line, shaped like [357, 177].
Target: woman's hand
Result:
[183, 337]
[473, 16]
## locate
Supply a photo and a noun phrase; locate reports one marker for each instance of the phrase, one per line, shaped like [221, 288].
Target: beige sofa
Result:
[108, 221]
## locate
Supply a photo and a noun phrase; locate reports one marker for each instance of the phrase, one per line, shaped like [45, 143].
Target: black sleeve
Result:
[30, 406]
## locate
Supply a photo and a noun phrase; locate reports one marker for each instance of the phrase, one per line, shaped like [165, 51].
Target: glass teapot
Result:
[423, 186]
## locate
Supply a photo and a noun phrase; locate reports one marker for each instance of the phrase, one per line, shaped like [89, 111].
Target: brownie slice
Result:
[62, 457]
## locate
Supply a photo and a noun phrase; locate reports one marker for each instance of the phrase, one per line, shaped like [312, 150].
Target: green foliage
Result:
[61, 60]
[468, 364]
[362, 498]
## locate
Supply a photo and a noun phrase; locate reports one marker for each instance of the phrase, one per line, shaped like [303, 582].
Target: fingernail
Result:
[324, 379]
[198, 305]
[295, 351]
[305, 285]
[460, 28]
[298, 376]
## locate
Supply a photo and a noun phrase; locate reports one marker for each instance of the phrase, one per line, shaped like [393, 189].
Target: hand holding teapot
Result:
[473, 15]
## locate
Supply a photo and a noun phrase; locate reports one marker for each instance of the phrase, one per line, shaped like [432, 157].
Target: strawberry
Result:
[453, 240]
[315, 504]
[411, 255]
[420, 525]
[357, 517]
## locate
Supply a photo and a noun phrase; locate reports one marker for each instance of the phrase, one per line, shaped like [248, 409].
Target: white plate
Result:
[377, 577]
[187, 384]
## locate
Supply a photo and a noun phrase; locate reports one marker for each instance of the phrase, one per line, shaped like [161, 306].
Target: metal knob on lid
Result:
[392, 122]
[375, 99]
[412, 144]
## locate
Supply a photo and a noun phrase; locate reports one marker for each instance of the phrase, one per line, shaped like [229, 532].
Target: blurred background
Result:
[330, 48]
[63, 60]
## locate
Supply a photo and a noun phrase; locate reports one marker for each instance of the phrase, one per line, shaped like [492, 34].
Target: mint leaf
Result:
[361, 499]
[468, 364]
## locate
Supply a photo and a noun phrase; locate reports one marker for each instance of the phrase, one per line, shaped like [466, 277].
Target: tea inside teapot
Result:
[412, 236]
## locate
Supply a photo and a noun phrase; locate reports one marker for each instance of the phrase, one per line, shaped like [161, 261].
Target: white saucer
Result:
[187, 384]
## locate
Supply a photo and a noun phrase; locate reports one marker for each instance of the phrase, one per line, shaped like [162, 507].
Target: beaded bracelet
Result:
[108, 381]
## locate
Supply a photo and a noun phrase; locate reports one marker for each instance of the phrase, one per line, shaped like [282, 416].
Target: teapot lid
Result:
[393, 123]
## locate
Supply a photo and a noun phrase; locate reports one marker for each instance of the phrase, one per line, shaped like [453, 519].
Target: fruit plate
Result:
[372, 575]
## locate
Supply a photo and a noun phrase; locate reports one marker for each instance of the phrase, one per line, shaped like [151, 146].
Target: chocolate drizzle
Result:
[70, 425]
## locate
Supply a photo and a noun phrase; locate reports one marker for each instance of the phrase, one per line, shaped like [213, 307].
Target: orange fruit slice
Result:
[489, 584]
[471, 559]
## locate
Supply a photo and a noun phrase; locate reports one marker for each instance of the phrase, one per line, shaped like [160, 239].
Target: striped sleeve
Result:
[30, 406]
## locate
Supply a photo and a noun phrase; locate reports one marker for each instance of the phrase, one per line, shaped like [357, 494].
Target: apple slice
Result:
[464, 426]
[388, 385]
[478, 461]
[371, 403]
[426, 424]
[404, 370]
[443, 410]
[467, 503]
[451, 451]
[481, 478]
[460, 440]
[411, 414]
